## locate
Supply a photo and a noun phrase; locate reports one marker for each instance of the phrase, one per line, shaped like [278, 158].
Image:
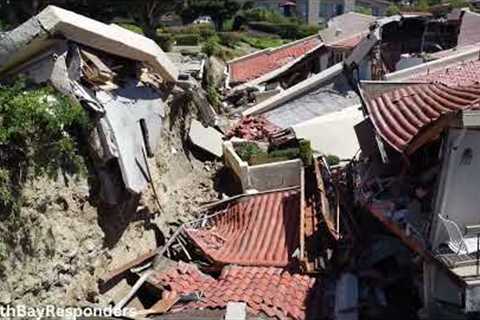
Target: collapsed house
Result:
[417, 175]
[122, 79]
[292, 243]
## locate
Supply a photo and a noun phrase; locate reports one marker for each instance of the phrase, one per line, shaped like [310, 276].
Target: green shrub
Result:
[266, 15]
[213, 96]
[165, 41]
[187, 39]
[264, 26]
[305, 152]
[228, 24]
[422, 5]
[392, 10]
[39, 130]
[42, 124]
[246, 150]
[204, 31]
[289, 153]
[7, 192]
[332, 160]
[363, 10]
[254, 155]
[210, 48]
[132, 27]
[230, 39]
[288, 30]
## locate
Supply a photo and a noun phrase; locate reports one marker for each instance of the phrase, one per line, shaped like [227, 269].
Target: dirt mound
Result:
[66, 241]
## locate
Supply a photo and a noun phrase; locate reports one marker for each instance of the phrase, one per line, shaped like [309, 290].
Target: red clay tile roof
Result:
[349, 43]
[400, 115]
[257, 230]
[459, 74]
[271, 291]
[265, 61]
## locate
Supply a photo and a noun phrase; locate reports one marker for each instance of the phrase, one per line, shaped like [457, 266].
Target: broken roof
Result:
[254, 230]
[330, 97]
[458, 68]
[348, 28]
[402, 114]
[260, 63]
[461, 73]
[37, 34]
[298, 90]
[271, 291]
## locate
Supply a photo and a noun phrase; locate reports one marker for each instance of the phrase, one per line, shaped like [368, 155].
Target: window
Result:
[338, 9]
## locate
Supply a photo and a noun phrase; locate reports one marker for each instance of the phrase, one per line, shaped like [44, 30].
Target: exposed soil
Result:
[68, 242]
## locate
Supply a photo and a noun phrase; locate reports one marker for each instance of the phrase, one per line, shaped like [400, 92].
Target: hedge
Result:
[187, 39]
[285, 30]
[230, 39]
[165, 41]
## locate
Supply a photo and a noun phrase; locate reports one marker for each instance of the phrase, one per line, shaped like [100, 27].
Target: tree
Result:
[218, 10]
[422, 5]
[363, 10]
[14, 12]
[392, 10]
[145, 13]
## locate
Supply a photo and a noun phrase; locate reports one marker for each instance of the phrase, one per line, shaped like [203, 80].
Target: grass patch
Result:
[263, 42]
[132, 27]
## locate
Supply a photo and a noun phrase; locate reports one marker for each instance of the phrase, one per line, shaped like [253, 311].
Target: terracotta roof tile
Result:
[258, 230]
[235, 284]
[400, 115]
[350, 42]
[265, 61]
[462, 73]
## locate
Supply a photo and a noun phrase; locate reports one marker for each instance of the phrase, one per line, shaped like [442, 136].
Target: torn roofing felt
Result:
[37, 34]
[271, 291]
[402, 115]
[255, 230]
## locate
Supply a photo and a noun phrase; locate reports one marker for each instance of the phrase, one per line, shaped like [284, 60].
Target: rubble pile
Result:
[252, 129]
[269, 291]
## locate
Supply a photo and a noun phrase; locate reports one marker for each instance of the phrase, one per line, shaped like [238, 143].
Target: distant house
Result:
[320, 11]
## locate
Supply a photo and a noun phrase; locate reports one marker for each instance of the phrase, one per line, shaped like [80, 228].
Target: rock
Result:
[215, 72]
[5, 298]
[206, 138]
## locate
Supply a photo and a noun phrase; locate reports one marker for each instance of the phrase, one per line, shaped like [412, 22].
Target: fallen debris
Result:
[104, 78]
[269, 291]
[252, 129]
[208, 139]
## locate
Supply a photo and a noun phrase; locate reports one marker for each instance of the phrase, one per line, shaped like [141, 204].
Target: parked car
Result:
[202, 20]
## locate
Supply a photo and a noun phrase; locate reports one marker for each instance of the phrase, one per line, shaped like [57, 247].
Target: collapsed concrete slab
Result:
[135, 113]
[324, 131]
[206, 138]
[38, 33]
[115, 74]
